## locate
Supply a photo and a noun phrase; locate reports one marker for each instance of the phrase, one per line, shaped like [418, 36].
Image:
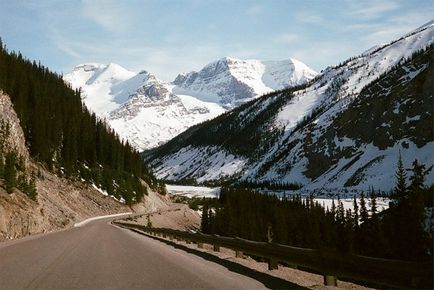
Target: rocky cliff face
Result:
[15, 139]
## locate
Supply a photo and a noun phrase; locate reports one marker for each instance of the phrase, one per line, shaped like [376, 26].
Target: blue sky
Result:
[166, 37]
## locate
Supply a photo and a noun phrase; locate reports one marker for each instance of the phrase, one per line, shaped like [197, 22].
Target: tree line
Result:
[399, 232]
[64, 136]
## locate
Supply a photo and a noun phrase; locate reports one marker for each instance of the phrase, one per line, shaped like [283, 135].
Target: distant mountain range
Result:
[343, 130]
[148, 112]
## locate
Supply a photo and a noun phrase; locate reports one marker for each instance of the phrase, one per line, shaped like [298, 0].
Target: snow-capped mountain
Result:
[139, 107]
[230, 82]
[344, 129]
[148, 112]
[101, 86]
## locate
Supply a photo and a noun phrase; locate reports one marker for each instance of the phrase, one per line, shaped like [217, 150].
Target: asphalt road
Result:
[99, 255]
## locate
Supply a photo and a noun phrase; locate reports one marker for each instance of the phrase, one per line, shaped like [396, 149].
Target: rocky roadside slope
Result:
[60, 202]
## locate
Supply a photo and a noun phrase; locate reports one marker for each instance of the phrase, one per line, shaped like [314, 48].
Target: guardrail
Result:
[390, 273]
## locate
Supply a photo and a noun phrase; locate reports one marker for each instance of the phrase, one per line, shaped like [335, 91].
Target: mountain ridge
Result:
[263, 140]
[231, 82]
[147, 111]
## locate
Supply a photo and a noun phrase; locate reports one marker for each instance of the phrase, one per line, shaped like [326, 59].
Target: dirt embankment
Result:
[175, 216]
[60, 203]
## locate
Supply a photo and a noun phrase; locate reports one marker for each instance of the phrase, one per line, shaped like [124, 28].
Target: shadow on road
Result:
[269, 281]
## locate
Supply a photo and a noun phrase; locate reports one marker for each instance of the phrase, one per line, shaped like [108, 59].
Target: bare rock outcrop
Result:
[60, 202]
[15, 140]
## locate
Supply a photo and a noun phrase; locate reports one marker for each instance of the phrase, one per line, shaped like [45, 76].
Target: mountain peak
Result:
[229, 59]
[91, 66]
[231, 81]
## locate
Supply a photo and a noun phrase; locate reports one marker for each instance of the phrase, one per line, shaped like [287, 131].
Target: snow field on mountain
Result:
[148, 112]
[330, 95]
[356, 74]
[230, 82]
[378, 166]
[161, 122]
[215, 164]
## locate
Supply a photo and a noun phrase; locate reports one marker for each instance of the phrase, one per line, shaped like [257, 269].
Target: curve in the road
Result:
[100, 255]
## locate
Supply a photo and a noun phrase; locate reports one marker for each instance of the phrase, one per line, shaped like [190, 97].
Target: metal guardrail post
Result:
[330, 280]
[239, 254]
[273, 264]
[292, 266]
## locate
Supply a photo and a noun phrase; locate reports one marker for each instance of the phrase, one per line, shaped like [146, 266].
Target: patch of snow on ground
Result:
[103, 192]
[193, 191]
[82, 223]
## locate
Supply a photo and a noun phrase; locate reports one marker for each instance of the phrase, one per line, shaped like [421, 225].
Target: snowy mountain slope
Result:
[231, 82]
[148, 122]
[148, 112]
[97, 82]
[344, 128]
[139, 107]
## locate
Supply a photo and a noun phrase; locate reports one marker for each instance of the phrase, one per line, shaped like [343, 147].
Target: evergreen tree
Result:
[10, 172]
[356, 213]
[364, 216]
[373, 203]
[349, 230]
[340, 217]
[204, 225]
[417, 180]
[333, 209]
[31, 192]
[400, 187]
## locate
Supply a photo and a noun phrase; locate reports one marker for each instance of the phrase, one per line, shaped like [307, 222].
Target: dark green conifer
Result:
[373, 203]
[10, 172]
[418, 177]
[356, 212]
[364, 215]
[400, 187]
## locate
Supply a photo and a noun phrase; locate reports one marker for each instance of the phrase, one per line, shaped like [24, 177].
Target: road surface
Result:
[99, 255]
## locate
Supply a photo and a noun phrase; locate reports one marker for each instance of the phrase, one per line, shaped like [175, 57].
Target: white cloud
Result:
[63, 44]
[386, 34]
[391, 27]
[370, 9]
[320, 54]
[109, 14]
[309, 17]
